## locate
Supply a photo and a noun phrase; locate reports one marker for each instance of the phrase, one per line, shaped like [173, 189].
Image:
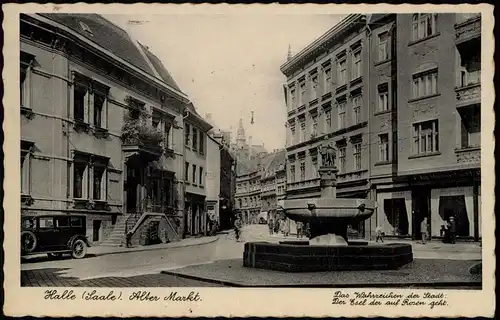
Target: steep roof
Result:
[113, 38]
[276, 163]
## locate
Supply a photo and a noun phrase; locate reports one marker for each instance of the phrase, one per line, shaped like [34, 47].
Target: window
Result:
[425, 137]
[62, 221]
[315, 86]
[425, 84]
[76, 221]
[327, 81]
[202, 142]
[342, 150]
[195, 139]
[302, 171]
[79, 176]
[302, 93]
[383, 46]
[99, 181]
[25, 166]
[187, 134]
[314, 161]
[383, 141]
[201, 176]
[292, 99]
[292, 173]
[328, 119]
[356, 65]
[383, 98]
[99, 101]
[80, 103]
[470, 68]
[239, 203]
[341, 114]
[194, 174]
[356, 107]
[46, 222]
[423, 25]
[25, 78]
[292, 130]
[302, 131]
[342, 72]
[357, 155]
[470, 126]
[169, 135]
[314, 129]
[186, 171]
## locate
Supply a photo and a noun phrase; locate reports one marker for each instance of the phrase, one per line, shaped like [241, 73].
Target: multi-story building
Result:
[326, 97]
[213, 177]
[99, 126]
[195, 165]
[405, 95]
[272, 184]
[246, 151]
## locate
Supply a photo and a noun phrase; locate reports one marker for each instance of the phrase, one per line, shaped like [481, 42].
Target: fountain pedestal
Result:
[328, 247]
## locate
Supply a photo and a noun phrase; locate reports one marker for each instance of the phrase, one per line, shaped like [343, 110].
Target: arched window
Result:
[423, 25]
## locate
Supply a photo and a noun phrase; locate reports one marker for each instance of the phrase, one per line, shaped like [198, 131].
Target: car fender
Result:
[75, 237]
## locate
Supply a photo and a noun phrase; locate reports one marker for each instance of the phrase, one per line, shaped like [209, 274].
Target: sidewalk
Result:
[105, 250]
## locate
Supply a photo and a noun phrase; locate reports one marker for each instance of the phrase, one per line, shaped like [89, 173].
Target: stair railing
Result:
[135, 216]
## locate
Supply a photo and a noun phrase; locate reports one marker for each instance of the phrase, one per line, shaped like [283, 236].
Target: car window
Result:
[47, 222]
[62, 222]
[76, 221]
[29, 223]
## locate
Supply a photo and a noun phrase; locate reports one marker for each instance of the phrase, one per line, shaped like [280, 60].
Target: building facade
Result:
[272, 184]
[195, 166]
[213, 178]
[99, 125]
[399, 96]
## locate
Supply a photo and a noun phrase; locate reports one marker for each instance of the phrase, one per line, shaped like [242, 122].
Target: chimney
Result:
[289, 56]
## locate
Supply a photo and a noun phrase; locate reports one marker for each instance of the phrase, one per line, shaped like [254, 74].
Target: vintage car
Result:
[54, 235]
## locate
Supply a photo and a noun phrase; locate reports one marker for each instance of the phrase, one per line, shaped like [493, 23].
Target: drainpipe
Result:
[186, 114]
[368, 38]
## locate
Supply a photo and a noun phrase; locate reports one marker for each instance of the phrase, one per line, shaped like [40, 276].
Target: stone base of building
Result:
[305, 258]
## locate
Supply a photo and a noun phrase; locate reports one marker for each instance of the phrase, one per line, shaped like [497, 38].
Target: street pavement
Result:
[142, 268]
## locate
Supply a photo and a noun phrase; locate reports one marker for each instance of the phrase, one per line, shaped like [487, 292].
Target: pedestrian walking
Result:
[237, 228]
[424, 229]
[453, 229]
[300, 226]
[286, 227]
[379, 234]
[271, 226]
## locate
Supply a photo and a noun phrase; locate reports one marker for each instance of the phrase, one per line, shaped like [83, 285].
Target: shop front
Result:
[394, 213]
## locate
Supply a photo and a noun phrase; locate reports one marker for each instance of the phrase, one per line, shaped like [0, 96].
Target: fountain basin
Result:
[305, 258]
[329, 209]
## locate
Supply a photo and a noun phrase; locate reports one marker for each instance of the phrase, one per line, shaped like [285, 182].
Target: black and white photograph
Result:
[165, 153]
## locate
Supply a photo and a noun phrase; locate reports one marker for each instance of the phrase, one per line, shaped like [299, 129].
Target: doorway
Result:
[421, 209]
[96, 231]
[133, 179]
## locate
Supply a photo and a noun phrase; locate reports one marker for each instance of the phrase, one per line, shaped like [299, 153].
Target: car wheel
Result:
[28, 241]
[79, 249]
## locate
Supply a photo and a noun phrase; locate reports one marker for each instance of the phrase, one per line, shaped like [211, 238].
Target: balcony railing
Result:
[468, 155]
[304, 184]
[352, 176]
[469, 94]
[468, 29]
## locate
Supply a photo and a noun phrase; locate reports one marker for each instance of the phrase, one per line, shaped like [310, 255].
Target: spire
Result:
[240, 135]
[289, 53]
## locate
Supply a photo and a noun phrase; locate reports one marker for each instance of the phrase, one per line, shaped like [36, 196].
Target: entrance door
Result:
[131, 187]
[96, 230]
[421, 209]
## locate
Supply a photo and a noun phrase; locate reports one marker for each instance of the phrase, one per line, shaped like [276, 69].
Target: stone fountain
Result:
[328, 247]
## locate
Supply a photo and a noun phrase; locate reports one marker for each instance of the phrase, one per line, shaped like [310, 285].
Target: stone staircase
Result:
[132, 222]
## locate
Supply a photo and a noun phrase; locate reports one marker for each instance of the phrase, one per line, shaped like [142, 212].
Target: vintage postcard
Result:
[249, 160]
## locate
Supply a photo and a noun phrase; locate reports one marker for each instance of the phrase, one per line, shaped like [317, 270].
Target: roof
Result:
[276, 163]
[116, 40]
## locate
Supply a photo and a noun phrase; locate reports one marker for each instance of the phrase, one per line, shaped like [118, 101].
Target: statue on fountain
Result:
[327, 151]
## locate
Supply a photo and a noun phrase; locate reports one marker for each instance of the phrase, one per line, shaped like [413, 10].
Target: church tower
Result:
[240, 136]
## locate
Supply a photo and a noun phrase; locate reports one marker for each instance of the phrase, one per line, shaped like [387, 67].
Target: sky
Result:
[229, 65]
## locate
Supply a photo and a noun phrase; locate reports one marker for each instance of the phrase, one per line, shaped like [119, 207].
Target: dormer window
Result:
[86, 28]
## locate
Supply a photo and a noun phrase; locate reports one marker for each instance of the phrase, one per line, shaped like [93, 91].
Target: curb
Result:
[426, 285]
[151, 249]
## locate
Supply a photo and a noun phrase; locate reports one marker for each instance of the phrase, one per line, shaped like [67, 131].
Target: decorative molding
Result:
[423, 109]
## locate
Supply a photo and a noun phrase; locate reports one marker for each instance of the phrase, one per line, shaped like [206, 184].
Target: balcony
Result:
[305, 184]
[141, 141]
[468, 29]
[469, 94]
[352, 176]
[469, 155]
